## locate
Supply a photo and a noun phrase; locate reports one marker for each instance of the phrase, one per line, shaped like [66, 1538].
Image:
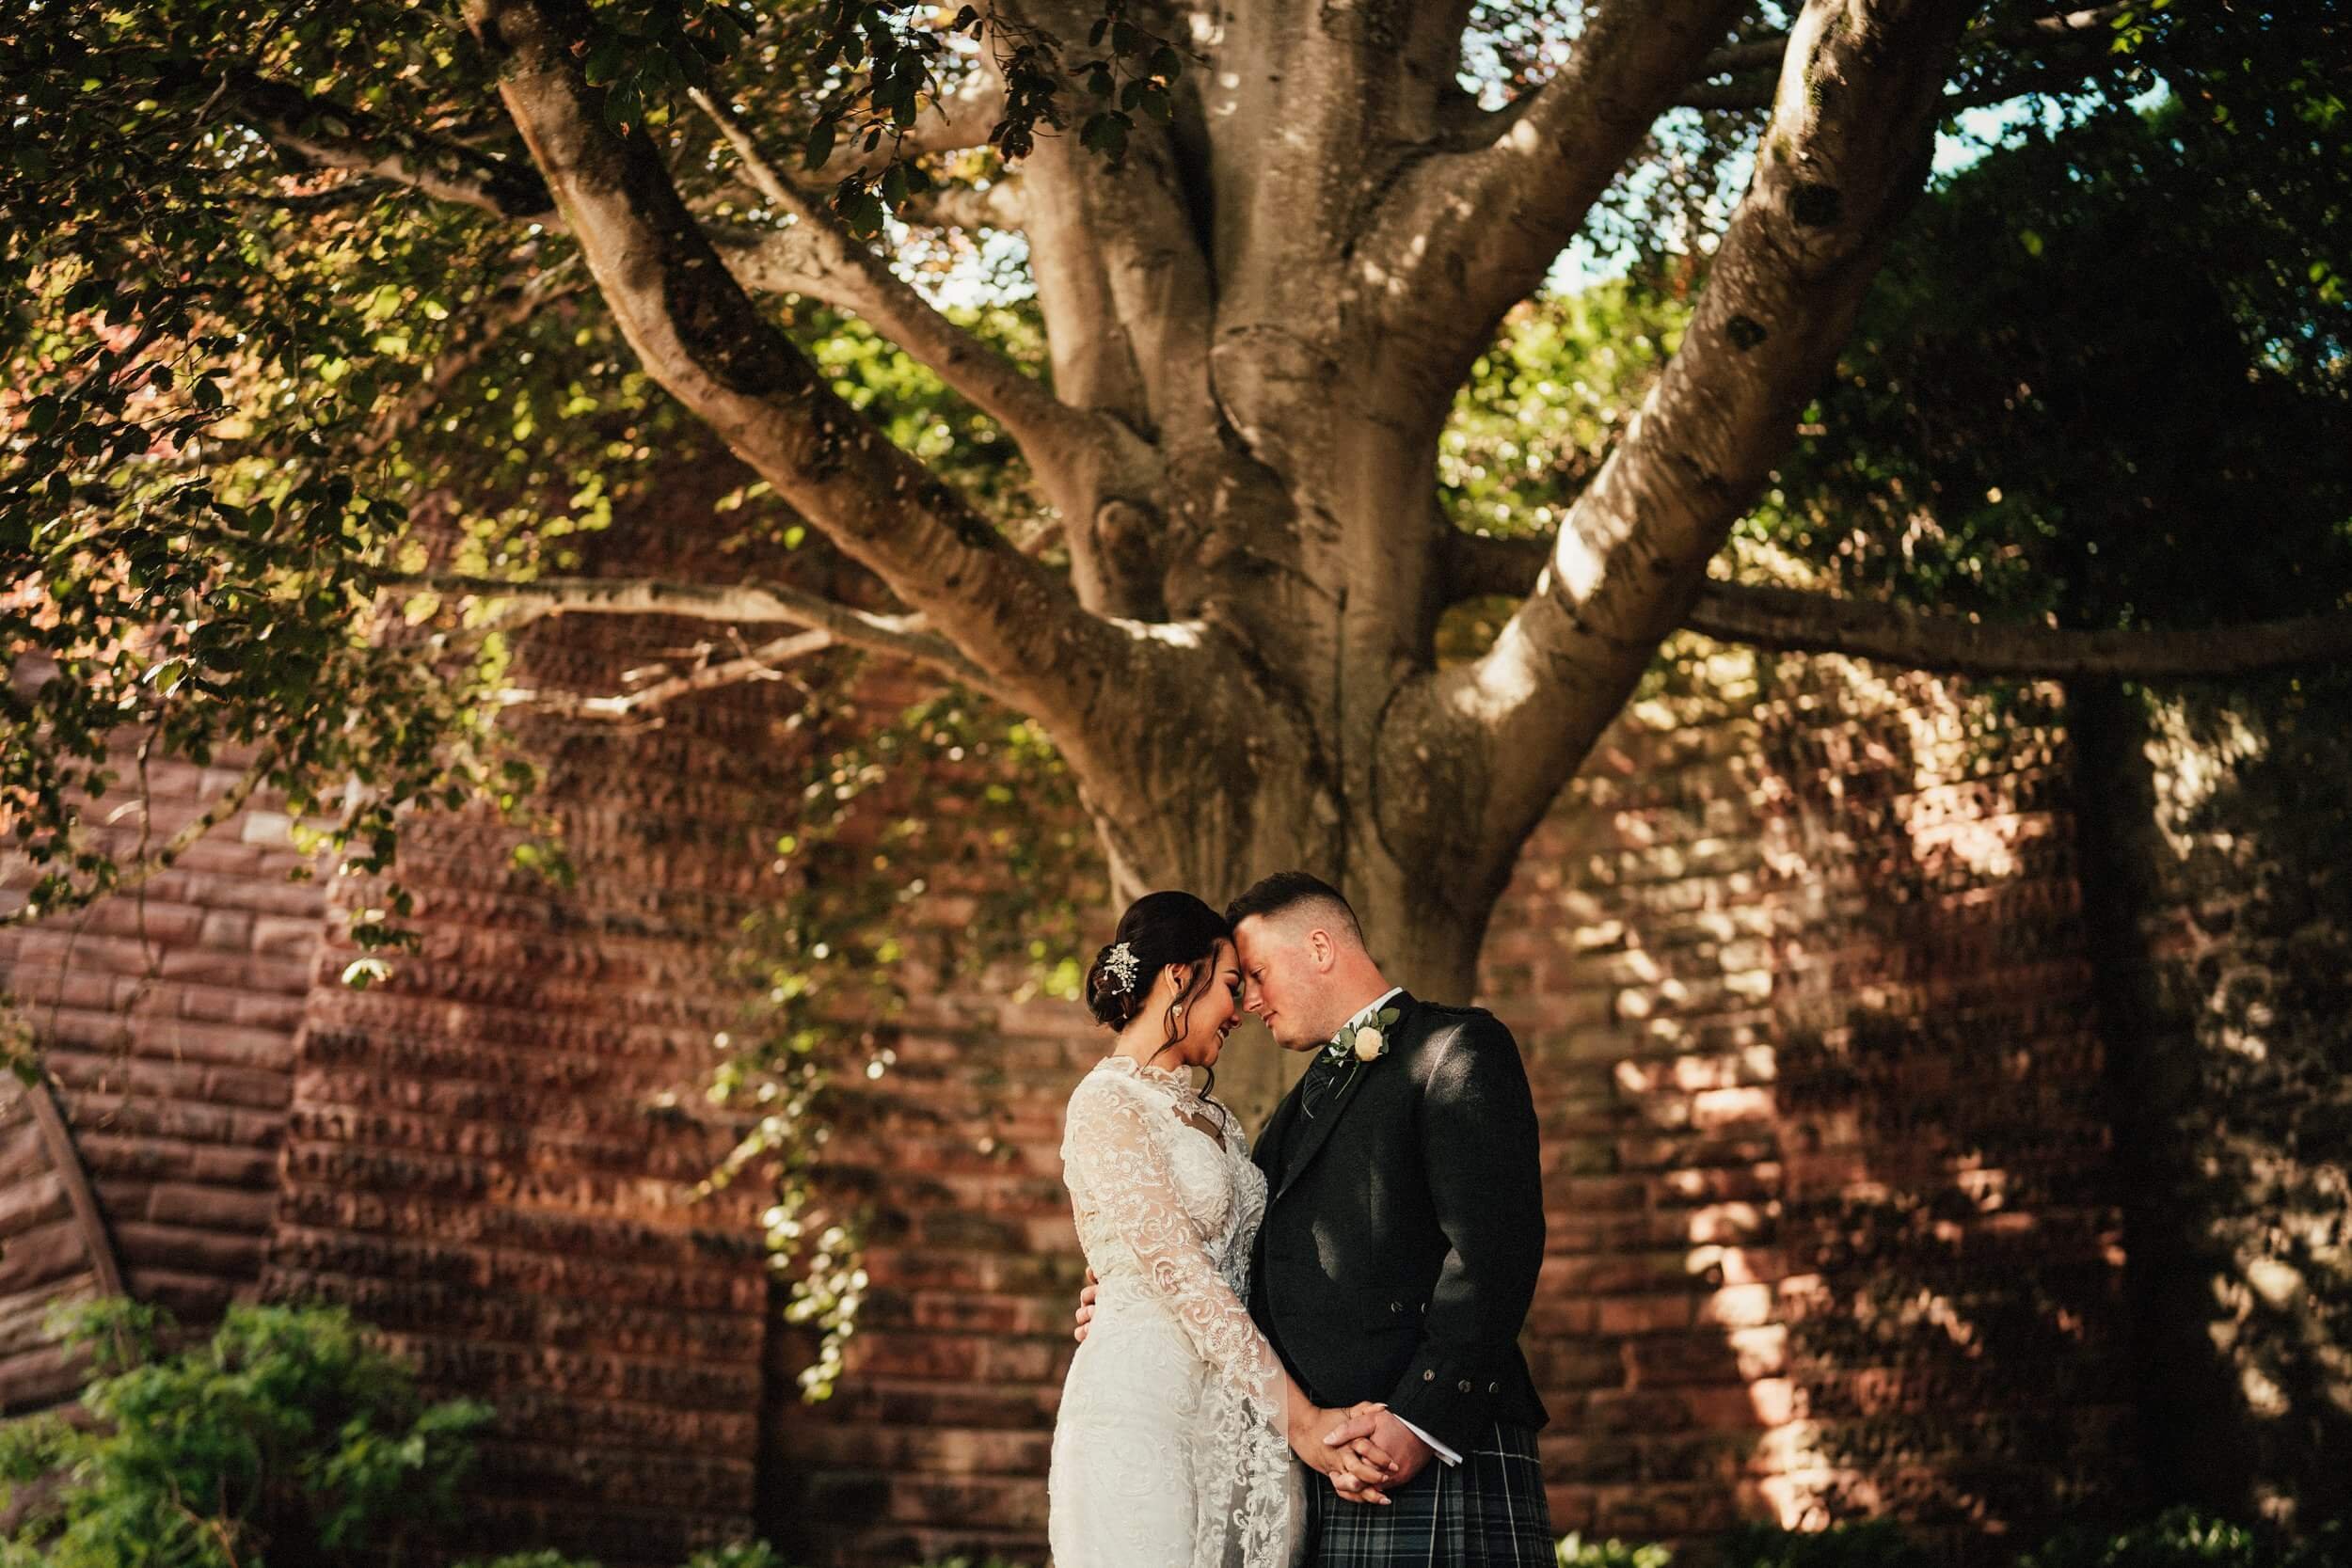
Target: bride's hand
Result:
[1086, 1306]
[1337, 1443]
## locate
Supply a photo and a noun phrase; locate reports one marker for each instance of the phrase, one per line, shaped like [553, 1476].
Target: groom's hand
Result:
[1374, 1436]
[1086, 1306]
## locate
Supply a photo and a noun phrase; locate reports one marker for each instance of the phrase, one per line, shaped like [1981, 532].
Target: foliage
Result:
[1576, 1552]
[2016, 426]
[287, 1436]
[278, 437]
[740, 1554]
[2185, 1537]
[928, 850]
[1873, 1543]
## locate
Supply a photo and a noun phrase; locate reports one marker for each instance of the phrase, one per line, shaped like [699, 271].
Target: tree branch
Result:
[1794, 620]
[1757, 59]
[1002, 205]
[336, 135]
[697, 333]
[966, 118]
[1464, 236]
[744, 604]
[846, 273]
[761, 663]
[1843, 154]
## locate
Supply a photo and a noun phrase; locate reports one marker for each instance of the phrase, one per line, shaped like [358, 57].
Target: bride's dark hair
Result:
[1159, 929]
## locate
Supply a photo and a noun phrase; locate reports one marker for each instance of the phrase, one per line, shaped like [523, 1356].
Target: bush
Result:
[289, 1435]
[1872, 1543]
[738, 1554]
[1576, 1552]
[2186, 1538]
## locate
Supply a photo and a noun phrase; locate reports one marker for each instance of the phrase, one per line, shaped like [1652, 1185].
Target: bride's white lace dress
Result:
[1169, 1452]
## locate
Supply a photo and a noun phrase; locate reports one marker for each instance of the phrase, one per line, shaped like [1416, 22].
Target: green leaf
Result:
[1105, 134]
[819, 145]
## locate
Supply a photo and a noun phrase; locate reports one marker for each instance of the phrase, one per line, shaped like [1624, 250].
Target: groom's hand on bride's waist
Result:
[1086, 1306]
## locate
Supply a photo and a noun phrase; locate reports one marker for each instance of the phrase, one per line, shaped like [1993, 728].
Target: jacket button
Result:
[1429, 1377]
[1466, 1385]
[1494, 1388]
[1396, 1306]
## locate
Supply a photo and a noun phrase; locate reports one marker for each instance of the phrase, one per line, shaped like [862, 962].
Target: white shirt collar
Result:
[1369, 1008]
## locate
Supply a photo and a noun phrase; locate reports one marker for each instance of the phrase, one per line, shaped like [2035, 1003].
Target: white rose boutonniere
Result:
[1367, 1042]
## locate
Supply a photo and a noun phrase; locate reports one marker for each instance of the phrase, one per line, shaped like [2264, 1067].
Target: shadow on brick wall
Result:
[2214, 834]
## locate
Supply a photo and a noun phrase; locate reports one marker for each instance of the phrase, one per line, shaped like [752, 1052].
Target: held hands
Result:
[1362, 1449]
[1358, 1467]
[1375, 1437]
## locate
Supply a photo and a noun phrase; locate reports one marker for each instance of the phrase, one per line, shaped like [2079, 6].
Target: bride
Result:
[1172, 1446]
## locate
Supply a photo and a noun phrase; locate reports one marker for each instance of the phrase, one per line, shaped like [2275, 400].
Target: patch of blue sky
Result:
[1973, 134]
[992, 268]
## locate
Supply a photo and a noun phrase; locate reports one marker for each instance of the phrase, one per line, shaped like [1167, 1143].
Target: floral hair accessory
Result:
[1121, 961]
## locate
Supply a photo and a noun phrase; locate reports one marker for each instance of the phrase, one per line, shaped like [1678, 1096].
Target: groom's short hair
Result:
[1296, 892]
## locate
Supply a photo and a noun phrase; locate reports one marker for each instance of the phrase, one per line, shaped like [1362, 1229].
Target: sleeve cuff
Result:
[1434, 1446]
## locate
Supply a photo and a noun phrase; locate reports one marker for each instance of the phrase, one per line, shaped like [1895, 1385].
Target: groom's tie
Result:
[1315, 1093]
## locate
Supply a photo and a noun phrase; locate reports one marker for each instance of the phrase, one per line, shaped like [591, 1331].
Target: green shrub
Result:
[738, 1554]
[2186, 1538]
[1870, 1543]
[1577, 1552]
[290, 1436]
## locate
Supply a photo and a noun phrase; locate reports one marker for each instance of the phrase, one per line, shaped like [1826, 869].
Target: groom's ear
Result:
[1322, 948]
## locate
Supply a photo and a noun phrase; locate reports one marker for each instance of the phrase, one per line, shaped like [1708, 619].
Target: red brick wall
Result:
[1802, 991]
[493, 1156]
[1805, 996]
[169, 1018]
[1802, 984]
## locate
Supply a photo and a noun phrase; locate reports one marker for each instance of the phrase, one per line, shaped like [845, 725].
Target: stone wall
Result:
[1811, 1005]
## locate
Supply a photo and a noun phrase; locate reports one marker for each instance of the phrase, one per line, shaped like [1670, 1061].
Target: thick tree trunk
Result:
[1422, 941]
[1295, 765]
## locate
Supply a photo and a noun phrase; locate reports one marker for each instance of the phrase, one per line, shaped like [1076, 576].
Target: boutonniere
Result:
[1367, 1042]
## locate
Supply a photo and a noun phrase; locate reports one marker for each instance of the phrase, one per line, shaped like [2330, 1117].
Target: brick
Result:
[211, 1207]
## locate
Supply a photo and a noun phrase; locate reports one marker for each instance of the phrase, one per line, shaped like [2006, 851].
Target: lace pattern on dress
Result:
[1163, 1211]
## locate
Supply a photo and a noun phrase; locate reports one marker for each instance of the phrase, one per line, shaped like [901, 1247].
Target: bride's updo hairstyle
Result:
[1157, 930]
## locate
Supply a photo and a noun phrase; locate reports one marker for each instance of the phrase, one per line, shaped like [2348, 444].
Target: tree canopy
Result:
[1127, 358]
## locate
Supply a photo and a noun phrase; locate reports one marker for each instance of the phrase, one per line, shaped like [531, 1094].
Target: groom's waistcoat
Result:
[1404, 1228]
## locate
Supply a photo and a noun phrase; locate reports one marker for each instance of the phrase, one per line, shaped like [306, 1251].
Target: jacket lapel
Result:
[1268, 1151]
[1312, 1132]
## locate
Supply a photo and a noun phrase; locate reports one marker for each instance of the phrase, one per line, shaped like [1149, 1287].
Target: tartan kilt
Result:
[1487, 1512]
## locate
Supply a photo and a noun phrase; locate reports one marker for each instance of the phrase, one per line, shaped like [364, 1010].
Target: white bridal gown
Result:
[1169, 1452]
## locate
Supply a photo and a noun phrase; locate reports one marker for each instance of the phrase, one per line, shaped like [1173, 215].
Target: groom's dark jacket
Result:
[1404, 1226]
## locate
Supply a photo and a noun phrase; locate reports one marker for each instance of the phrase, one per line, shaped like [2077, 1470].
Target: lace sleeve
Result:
[1249, 1509]
[1117, 1169]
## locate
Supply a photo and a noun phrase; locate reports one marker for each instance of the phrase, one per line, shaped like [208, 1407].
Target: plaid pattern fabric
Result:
[1489, 1511]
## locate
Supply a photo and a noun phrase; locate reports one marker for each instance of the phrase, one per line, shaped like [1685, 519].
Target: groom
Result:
[1403, 1230]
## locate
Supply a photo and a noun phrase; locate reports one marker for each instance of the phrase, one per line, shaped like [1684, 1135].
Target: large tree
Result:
[275, 264]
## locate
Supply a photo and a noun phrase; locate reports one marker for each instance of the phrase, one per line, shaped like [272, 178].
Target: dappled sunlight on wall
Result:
[1803, 989]
[2238, 991]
